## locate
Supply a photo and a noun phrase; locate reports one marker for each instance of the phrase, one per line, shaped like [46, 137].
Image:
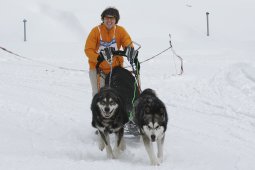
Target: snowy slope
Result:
[45, 95]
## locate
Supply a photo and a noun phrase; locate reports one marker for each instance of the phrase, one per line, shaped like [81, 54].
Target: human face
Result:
[109, 21]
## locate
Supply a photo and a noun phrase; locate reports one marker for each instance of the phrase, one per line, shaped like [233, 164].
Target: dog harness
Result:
[104, 44]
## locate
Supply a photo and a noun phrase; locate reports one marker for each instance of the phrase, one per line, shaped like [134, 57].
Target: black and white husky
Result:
[109, 116]
[110, 108]
[151, 118]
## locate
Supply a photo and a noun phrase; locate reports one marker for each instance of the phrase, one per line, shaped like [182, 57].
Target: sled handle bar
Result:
[100, 58]
[128, 52]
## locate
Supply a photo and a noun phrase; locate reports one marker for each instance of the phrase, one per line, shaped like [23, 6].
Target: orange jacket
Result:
[93, 41]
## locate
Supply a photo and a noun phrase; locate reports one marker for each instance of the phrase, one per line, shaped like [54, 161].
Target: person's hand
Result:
[131, 54]
[100, 58]
[107, 55]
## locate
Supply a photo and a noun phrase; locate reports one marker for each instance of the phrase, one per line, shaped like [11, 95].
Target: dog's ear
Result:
[164, 117]
[94, 101]
[162, 111]
[93, 108]
[93, 123]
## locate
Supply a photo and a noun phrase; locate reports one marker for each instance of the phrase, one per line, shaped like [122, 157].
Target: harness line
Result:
[131, 114]
[110, 72]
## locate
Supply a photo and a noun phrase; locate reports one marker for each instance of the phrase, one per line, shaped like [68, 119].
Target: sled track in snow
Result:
[222, 104]
[243, 80]
[235, 87]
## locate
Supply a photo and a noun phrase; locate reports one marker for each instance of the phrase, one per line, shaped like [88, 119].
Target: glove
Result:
[100, 58]
[131, 54]
[107, 55]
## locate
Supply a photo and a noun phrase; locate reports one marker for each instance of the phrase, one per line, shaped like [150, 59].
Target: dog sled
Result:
[125, 79]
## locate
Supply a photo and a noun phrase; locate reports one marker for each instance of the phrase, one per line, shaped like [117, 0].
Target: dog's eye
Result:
[112, 103]
[157, 127]
[149, 127]
[102, 103]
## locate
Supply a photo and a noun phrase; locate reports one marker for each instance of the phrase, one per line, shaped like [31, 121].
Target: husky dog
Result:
[109, 116]
[151, 118]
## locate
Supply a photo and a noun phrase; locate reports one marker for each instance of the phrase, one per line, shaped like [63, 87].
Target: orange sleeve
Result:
[91, 45]
[125, 38]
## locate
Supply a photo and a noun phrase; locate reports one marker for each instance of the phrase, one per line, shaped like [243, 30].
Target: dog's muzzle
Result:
[108, 112]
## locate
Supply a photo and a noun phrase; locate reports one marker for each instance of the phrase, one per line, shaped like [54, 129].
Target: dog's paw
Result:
[155, 162]
[110, 156]
[116, 152]
[109, 152]
[122, 145]
[160, 159]
[101, 146]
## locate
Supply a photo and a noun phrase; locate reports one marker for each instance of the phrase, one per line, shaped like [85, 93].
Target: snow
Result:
[45, 94]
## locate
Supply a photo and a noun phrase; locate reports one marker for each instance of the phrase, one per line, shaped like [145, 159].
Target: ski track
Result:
[228, 96]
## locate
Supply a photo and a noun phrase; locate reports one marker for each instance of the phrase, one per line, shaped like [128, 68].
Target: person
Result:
[107, 34]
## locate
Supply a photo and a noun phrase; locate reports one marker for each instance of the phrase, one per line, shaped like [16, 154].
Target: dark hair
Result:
[111, 11]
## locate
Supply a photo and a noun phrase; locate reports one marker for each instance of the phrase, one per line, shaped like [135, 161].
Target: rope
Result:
[15, 54]
[179, 59]
[138, 85]
[174, 63]
[156, 55]
[110, 78]
[130, 114]
[29, 59]
[174, 54]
